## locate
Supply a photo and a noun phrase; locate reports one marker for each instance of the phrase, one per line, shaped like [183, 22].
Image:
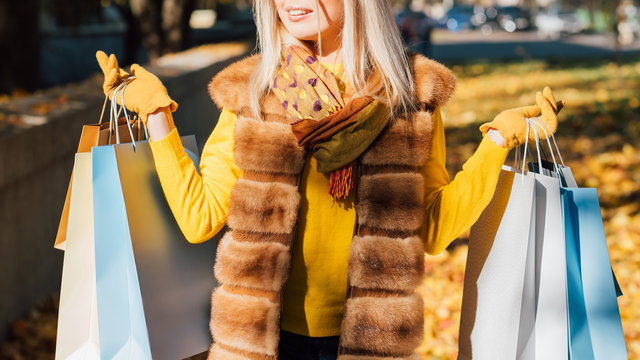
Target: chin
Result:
[304, 31]
[304, 36]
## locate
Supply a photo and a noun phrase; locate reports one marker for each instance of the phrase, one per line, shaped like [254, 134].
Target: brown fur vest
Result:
[383, 315]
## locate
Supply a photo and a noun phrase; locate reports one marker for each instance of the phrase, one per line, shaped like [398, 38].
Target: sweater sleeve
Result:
[199, 201]
[453, 206]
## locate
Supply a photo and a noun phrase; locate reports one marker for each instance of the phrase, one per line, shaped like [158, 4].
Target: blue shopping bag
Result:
[595, 329]
[144, 265]
[121, 323]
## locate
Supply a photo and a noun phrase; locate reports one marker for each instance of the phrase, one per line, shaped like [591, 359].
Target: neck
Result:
[331, 50]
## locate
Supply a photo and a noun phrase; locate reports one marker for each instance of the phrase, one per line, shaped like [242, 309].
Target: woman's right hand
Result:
[144, 94]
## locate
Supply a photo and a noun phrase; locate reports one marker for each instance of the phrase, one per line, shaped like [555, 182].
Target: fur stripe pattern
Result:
[378, 262]
[390, 326]
[257, 265]
[268, 207]
[405, 142]
[383, 314]
[219, 353]
[391, 201]
[265, 146]
[245, 322]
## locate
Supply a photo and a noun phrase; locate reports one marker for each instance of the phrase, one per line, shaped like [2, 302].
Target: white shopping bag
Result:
[494, 281]
[78, 314]
[550, 335]
[514, 302]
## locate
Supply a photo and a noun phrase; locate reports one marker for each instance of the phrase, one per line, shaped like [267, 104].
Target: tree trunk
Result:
[175, 24]
[133, 39]
[163, 24]
[147, 16]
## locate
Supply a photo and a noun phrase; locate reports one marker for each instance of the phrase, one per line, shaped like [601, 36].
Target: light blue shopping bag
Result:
[595, 329]
[152, 285]
[121, 323]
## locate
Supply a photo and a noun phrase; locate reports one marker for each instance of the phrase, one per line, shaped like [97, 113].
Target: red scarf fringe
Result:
[341, 182]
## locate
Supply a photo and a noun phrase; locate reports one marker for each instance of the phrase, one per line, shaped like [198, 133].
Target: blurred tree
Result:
[601, 13]
[162, 26]
[19, 41]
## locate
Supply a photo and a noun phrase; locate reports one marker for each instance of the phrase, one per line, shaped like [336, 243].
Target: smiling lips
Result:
[297, 14]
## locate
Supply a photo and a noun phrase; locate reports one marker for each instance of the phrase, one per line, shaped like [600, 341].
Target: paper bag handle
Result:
[119, 91]
[548, 134]
[532, 121]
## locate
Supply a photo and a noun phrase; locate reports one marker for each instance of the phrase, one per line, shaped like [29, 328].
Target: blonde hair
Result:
[371, 43]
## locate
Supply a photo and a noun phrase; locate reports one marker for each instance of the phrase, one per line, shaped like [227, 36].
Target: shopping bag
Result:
[93, 135]
[166, 303]
[549, 337]
[77, 335]
[500, 250]
[569, 181]
[520, 270]
[595, 330]
[591, 288]
[122, 328]
[550, 329]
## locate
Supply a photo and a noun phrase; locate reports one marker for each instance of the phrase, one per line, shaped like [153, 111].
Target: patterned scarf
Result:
[336, 133]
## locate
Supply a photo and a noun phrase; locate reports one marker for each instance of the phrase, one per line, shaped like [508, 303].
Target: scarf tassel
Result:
[341, 182]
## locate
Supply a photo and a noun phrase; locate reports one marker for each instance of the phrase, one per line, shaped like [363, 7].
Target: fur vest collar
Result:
[383, 315]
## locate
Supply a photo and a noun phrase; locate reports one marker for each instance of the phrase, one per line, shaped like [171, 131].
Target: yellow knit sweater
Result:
[315, 292]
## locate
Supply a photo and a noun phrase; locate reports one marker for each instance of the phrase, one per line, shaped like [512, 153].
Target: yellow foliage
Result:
[598, 132]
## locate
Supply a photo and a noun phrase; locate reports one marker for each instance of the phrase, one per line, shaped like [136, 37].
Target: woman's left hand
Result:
[145, 93]
[512, 124]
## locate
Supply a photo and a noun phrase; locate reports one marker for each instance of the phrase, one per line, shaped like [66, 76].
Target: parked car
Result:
[553, 23]
[487, 20]
[415, 28]
[514, 18]
[459, 18]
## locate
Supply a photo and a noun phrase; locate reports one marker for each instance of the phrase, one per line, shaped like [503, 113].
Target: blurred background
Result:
[503, 51]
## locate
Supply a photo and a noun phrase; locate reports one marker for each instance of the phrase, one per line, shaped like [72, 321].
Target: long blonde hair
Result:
[371, 43]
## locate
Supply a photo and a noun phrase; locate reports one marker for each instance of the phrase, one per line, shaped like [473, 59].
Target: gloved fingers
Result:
[140, 72]
[111, 80]
[112, 62]
[548, 113]
[549, 95]
[123, 73]
[102, 61]
[530, 111]
[109, 62]
[547, 108]
[557, 105]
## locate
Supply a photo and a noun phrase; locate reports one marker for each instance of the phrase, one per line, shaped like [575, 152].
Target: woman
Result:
[328, 166]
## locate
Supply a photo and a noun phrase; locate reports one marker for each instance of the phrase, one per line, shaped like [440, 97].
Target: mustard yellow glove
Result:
[512, 124]
[144, 94]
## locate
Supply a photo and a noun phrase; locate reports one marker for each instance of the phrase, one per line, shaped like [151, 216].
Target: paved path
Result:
[526, 45]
